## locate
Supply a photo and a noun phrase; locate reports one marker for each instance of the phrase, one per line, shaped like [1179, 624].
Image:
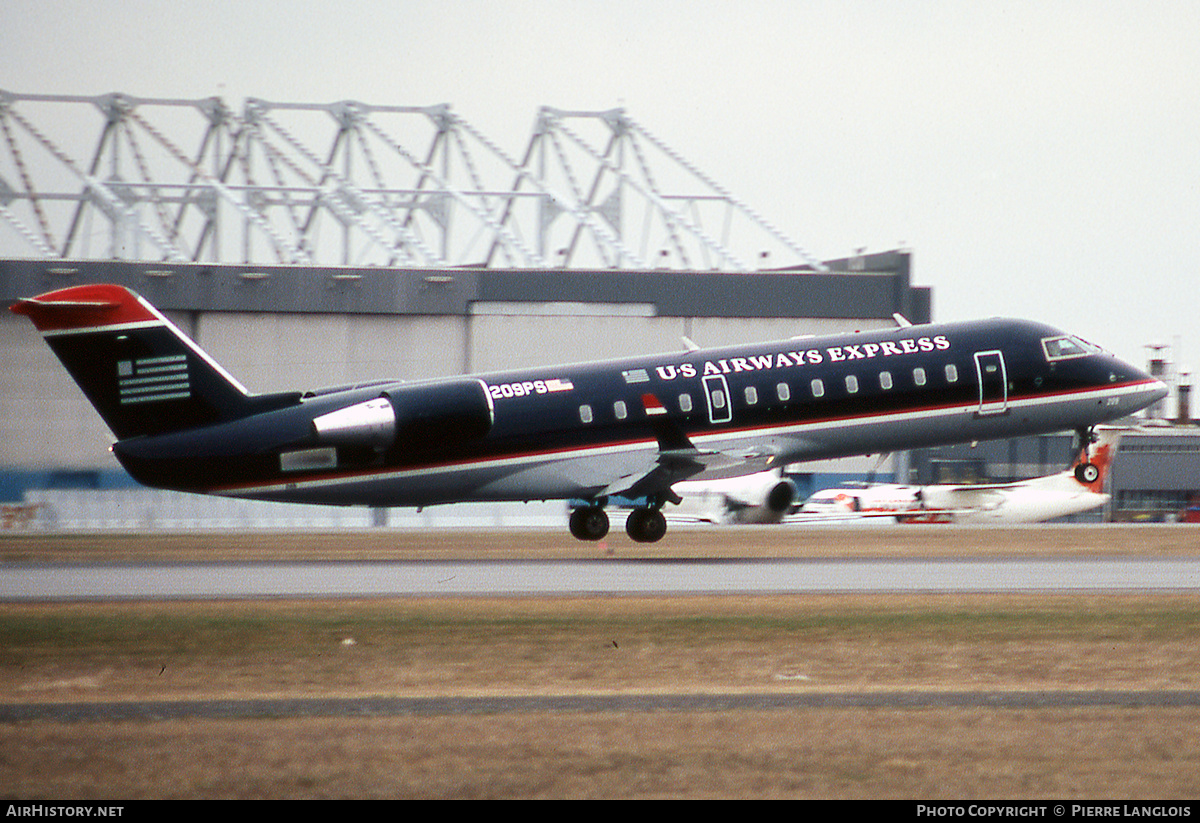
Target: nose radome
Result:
[1144, 389]
[1158, 391]
[1152, 389]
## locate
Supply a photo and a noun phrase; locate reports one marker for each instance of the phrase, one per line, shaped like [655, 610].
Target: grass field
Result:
[609, 645]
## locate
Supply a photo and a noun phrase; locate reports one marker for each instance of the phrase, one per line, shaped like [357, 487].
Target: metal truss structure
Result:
[352, 184]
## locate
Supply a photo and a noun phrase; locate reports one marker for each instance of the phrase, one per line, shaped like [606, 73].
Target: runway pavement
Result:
[78, 581]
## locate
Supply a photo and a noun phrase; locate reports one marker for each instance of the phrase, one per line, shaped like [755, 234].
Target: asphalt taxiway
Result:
[103, 581]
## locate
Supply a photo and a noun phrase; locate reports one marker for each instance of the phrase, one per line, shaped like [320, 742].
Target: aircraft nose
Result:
[1157, 391]
[1148, 389]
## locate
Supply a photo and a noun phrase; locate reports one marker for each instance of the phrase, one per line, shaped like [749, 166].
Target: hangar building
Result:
[294, 327]
[289, 327]
[404, 243]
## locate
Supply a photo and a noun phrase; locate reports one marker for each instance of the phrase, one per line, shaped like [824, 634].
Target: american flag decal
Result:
[653, 405]
[559, 385]
[150, 379]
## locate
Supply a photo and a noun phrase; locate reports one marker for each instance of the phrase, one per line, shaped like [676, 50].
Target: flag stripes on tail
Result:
[151, 379]
[138, 369]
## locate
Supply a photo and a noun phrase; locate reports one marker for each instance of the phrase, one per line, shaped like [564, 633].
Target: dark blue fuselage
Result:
[576, 431]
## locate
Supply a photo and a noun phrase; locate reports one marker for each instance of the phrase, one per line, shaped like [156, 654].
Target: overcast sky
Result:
[1040, 159]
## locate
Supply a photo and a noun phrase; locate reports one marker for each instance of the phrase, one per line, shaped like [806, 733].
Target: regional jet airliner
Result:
[586, 432]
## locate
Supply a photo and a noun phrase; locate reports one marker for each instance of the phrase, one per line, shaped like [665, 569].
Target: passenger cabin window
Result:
[851, 384]
[620, 410]
[951, 373]
[783, 392]
[818, 388]
[885, 380]
[751, 395]
[585, 414]
[919, 377]
[685, 403]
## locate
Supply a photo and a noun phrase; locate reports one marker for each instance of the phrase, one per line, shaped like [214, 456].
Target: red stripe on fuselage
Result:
[83, 307]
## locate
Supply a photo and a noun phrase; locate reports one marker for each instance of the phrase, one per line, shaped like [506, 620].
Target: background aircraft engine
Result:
[372, 423]
[775, 501]
[781, 497]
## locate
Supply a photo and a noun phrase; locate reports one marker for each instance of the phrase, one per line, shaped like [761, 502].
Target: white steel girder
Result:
[349, 183]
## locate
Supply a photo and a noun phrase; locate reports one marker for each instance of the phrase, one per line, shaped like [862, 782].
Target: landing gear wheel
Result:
[589, 523]
[646, 525]
[1087, 471]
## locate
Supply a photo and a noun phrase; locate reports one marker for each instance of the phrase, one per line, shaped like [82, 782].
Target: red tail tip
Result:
[83, 307]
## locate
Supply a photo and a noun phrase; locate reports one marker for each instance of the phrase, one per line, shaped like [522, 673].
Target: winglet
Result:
[84, 307]
[670, 437]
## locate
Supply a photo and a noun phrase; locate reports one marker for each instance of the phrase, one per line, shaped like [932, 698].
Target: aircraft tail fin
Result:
[1092, 466]
[143, 374]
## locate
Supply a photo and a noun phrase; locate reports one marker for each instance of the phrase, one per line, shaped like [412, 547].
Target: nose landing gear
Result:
[1086, 471]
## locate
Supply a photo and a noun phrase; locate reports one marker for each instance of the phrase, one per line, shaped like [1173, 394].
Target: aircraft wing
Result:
[974, 496]
[678, 460]
[900, 515]
[674, 466]
[984, 487]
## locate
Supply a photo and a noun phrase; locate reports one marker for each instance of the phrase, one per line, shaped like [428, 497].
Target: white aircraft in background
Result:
[765, 497]
[1079, 489]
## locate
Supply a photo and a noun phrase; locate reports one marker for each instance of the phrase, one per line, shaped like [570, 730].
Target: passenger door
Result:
[993, 383]
[716, 391]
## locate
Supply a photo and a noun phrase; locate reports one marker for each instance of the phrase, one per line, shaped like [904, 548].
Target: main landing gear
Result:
[1086, 471]
[589, 523]
[644, 524]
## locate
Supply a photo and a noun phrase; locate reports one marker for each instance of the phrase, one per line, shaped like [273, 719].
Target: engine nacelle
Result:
[372, 423]
[781, 497]
[424, 418]
[776, 502]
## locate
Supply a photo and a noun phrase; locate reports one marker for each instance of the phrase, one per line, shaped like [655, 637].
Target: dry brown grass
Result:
[468, 646]
[953, 754]
[607, 645]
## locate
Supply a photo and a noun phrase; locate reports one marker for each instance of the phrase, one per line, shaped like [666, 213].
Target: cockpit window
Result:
[1067, 347]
